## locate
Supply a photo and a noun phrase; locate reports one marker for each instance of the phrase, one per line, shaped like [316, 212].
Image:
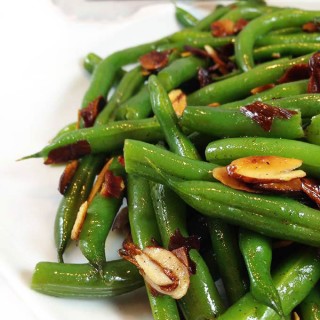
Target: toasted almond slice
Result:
[99, 181]
[222, 175]
[293, 185]
[260, 169]
[81, 216]
[178, 100]
[160, 268]
[153, 270]
[295, 316]
[170, 262]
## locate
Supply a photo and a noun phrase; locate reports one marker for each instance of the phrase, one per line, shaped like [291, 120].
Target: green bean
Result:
[84, 281]
[313, 130]
[75, 195]
[220, 123]
[262, 25]
[286, 31]
[68, 128]
[170, 206]
[179, 71]
[293, 279]
[231, 266]
[91, 61]
[284, 49]
[279, 91]
[257, 252]
[98, 222]
[103, 139]
[139, 155]
[309, 308]
[168, 120]
[196, 38]
[170, 215]
[248, 12]
[287, 39]
[263, 74]
[185, 18]
[143, 229]
[226, 150]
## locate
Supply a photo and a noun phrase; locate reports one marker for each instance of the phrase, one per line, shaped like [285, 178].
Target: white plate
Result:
[42, 86]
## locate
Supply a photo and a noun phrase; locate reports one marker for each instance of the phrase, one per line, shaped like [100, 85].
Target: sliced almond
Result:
[312, 189]
[99, 181]
[160, 268]
[222, 175]
[293, 185]
[81, 216]
[178, 100]
[260, 169]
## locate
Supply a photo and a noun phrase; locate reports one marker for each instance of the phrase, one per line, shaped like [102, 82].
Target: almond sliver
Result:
[221, 175]
[259, 169]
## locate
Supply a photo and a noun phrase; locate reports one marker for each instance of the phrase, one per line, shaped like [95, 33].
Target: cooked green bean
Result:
[144, 230]
[220, 123]
[257, 252]
[84, 281]
[91, 61]
[224, 239]
[185, 18]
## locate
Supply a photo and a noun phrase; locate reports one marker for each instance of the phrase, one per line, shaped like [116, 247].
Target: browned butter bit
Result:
[155, 60]
[69, 152]
[312, 189]
[264, 114]
[314, 82]
[67, 176]
[299, 71]
[311, 26]
[112, 186]
[90, 113]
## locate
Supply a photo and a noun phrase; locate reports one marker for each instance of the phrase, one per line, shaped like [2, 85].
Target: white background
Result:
[42, 84]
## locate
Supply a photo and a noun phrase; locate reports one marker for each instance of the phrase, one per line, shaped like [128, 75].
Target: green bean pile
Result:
[261, 246]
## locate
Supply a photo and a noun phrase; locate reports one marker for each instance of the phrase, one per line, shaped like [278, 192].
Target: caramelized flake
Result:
[221, 174]
[121, 160]
[312, 189]
[264, 114]
[311, 26]
[214, 104]
[204, 77]
[297, 72]
[314, 82]
[293, 185]
[90, 113]
[112, 186]
[262, 88]
[177, 241]
[222, 28]
[226, 27]
[67, 176]
[239, 25]
[69, 152]
[155, 60]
